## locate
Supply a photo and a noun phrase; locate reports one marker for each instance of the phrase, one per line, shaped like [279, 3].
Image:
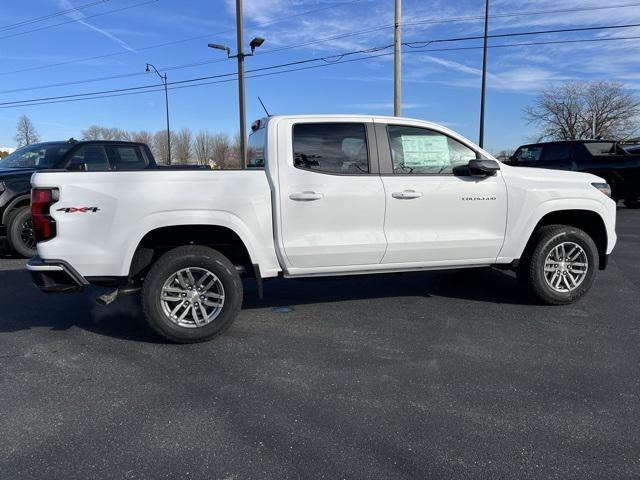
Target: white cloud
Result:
[79, 17]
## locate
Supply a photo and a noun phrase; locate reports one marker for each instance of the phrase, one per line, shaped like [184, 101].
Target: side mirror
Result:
[483, 168]
[78, 167]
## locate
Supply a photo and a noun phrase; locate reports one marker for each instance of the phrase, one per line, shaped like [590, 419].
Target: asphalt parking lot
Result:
[426, 375]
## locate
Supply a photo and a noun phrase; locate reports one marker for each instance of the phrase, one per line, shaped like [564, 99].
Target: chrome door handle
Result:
[306, 196]
[406, 195]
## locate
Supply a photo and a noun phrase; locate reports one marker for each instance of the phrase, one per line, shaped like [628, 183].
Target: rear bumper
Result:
[55, 276]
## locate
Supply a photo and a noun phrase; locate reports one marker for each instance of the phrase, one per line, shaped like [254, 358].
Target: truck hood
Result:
[9, 173]
[546, 174]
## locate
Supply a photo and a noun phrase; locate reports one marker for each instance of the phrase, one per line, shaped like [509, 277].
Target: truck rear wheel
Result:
[191, 294]
[561, 266]
[20, 234]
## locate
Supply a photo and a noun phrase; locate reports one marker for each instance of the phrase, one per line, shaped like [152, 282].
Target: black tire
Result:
[531, 270]
[166, 268]
[20, 236]
[632, 203]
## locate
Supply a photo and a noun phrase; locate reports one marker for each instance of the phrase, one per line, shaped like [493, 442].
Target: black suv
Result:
[606, 159]
[89, 156]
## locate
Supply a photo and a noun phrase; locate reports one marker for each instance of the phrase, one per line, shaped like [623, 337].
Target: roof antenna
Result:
[263, 107]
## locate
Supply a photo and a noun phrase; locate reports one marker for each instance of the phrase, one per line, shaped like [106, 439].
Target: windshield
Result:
[37, 156]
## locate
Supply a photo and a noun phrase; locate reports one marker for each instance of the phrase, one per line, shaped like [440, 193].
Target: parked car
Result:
[17, 168]
[606, 159]
[321, 196]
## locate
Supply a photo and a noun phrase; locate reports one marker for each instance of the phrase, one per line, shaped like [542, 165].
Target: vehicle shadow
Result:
[483, 285]
[23, 307]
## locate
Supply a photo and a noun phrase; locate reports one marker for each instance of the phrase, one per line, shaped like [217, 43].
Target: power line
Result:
[178, 82]
[51, 15]
[370, 53]
[525, 13]
[108, 12]
[157, 88]
[175, 42]
[521, 34]
[326, 39]
[415, 44]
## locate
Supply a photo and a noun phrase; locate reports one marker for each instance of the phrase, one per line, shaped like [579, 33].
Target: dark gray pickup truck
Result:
[17, 168]
[606, 159]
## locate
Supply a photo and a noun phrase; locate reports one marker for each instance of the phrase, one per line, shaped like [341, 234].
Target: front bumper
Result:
[55, 276]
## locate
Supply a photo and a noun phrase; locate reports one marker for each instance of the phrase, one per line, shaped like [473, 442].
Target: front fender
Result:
[521, 224]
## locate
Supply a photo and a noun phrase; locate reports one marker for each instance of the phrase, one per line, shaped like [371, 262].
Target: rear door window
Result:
[126, 157]
[338, 148]
[93, 157]
[556, 152]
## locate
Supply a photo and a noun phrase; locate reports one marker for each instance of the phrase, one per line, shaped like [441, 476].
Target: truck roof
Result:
[553, 142]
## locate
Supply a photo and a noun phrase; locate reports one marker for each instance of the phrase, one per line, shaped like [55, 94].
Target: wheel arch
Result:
[18, 202]
[158, 241]
[587, 220]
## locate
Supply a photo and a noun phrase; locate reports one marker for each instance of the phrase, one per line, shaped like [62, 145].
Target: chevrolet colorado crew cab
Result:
[320, 196]
[17, 168]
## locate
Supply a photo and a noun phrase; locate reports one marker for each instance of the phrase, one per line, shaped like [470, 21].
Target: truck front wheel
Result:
[560, 266]
[191, 294]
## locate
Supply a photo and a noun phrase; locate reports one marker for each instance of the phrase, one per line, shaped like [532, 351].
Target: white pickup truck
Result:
[320, 195]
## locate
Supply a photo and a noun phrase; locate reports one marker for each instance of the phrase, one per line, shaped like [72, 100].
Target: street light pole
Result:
[484, 73]
[166, 101]
[240, 55]
[397, 59]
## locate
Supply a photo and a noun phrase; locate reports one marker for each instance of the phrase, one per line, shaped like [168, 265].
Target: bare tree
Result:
[182, 146]
[220, 150]
[94, 132]
[203, 148]
[234, 160]
[143, 136]
[577, 110]
[160, 147]
[26, 133]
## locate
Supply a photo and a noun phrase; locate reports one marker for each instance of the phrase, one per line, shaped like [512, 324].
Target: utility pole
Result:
[397, 59]
[593, 126]
[166, 102]
[255, 43]
[242, 113]
[484, 73]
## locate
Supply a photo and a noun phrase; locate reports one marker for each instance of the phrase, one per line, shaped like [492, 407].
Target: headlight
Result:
[604, 188]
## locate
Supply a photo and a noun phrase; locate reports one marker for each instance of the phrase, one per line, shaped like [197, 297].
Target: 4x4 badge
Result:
[78, 210]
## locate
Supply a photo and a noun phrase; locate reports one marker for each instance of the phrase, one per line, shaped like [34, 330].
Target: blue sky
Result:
[439, 86]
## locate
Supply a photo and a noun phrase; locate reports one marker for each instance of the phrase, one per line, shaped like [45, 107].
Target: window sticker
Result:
[425, 151]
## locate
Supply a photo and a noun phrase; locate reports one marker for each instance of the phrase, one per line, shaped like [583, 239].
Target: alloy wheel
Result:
[192, 297]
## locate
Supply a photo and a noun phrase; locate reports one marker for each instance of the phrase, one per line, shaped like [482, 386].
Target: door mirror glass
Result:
[483, 168]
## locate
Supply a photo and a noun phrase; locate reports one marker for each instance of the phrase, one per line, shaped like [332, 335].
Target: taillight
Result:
[44, 226]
